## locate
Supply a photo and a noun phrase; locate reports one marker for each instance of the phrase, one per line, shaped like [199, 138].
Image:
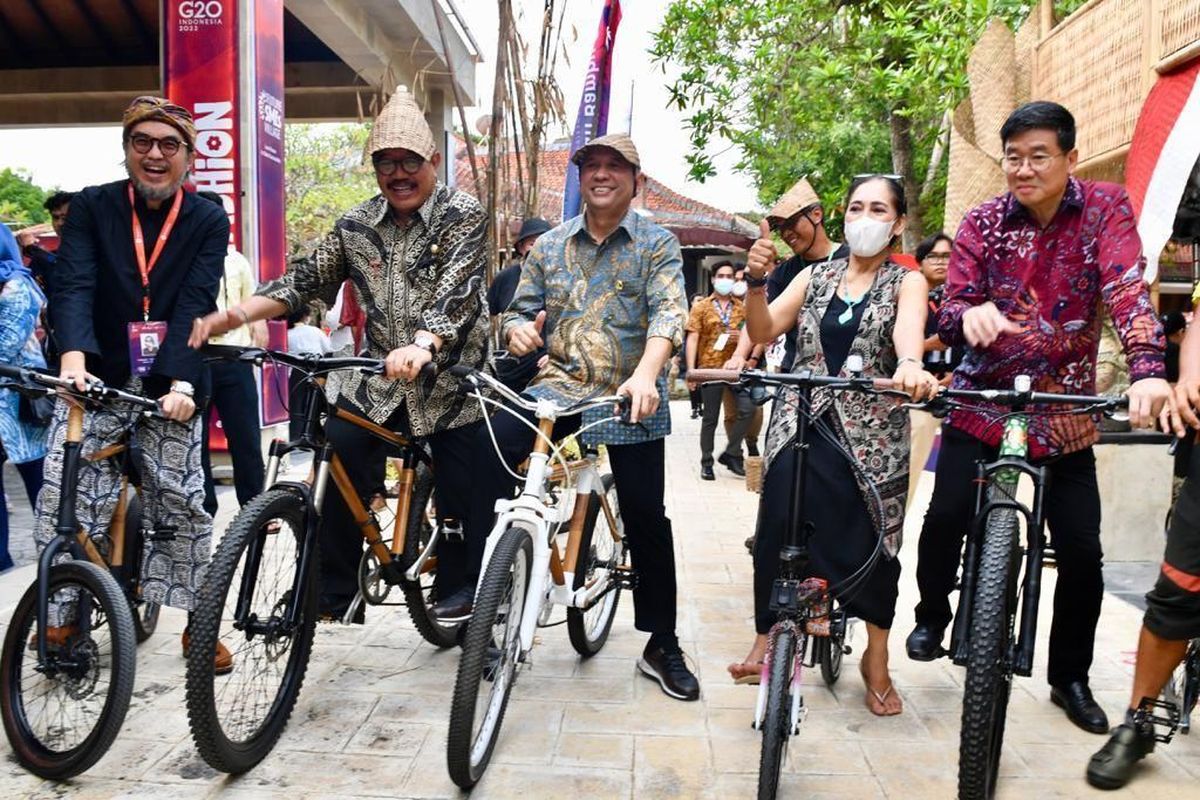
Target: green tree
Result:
[827, 88]
[21, 199]
[325, 178]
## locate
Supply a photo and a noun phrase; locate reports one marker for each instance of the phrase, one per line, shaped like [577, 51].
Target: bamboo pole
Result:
[458, 101]
[496, 130]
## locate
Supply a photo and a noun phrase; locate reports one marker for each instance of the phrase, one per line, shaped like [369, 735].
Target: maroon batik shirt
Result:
[1051, 281]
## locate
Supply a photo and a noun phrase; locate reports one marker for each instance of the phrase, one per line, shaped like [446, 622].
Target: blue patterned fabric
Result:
[603, 301]
[21, 302]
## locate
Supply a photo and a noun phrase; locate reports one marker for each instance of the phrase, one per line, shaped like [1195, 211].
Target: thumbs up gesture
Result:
[526, 338]
[762, 257]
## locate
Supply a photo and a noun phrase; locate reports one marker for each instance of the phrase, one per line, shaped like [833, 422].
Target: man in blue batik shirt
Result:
[610, 283]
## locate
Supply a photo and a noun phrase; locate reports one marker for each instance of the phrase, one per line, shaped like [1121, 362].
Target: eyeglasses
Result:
[886, 175]
[1038, 162]
[779, 225]
[143, 144]
[937, 257]
[387, 166]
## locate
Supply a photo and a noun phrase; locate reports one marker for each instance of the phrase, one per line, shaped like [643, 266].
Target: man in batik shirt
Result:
[610, 283]
[1028, 275]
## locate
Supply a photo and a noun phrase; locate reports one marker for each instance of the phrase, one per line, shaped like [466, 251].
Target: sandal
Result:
[746, 673]
[880, 697]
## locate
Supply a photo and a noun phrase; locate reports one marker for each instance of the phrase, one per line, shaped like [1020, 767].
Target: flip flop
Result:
[751, 673]
[880, 697]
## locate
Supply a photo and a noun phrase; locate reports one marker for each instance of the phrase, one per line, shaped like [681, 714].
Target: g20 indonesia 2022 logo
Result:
[197, 14]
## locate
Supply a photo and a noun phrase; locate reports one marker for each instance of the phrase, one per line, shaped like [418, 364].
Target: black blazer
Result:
[98, 288]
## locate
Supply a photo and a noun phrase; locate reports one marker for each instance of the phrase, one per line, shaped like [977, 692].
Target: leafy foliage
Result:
[820, 87]
[21, 199]
[325, 177]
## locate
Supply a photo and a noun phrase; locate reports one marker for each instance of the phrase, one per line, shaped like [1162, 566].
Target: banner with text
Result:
[592, 119]
[200, 73]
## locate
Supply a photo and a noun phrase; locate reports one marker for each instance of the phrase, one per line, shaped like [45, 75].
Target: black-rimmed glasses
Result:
[143, 144]
[387, 166]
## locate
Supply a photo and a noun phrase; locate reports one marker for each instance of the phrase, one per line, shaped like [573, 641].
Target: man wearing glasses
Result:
[416, 253]
[139, 260]
[1028, 275]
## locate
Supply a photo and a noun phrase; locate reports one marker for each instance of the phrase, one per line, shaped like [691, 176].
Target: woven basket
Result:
[991, 70]
[1180, 25]
[754, 473]
[973, 176]
[1024, 48]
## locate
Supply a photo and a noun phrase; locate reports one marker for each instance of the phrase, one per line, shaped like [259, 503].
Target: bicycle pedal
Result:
[452, 531]
[163, 533]
[1049, 559]
[1145, 716]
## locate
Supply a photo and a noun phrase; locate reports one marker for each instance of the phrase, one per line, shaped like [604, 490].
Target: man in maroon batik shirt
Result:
[1028, 274]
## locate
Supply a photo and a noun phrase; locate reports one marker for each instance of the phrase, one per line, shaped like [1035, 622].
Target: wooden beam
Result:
[13, 41]
[101, 32]
[69, 53]
[149, 38]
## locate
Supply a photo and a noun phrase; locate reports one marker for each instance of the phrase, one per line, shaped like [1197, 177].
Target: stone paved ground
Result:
[371, 720]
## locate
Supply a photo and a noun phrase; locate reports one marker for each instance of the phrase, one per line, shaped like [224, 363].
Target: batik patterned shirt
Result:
[603, 302]
[428, 275]
[1052, 282]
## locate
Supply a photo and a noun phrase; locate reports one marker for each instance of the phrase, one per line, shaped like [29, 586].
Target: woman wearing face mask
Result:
[712, 335]
[869, 306]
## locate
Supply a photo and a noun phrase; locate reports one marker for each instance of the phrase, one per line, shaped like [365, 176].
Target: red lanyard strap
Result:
[139, 244]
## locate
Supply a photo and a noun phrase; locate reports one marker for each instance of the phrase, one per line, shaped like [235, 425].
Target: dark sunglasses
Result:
[778, 225]
[143, 144]
[387, 166]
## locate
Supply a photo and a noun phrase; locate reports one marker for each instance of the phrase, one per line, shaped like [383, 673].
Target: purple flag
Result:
[592, 120]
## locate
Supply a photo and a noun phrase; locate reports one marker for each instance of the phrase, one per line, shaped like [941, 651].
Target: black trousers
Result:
[364, 458]
[713, 394]
[232, 391]
[1072, 506]
[639, 473]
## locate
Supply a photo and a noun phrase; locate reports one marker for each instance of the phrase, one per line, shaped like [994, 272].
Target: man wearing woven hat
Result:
[139, 260]
[610, 284]
[416, 253]
[516, 372]
[799, 220]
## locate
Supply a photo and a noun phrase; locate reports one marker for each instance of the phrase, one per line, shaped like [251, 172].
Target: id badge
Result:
[721, 341]
[145, 339]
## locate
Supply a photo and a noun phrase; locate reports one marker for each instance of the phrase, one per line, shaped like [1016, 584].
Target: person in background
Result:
[695, 399]
[41, 261]
[730, 399]
[933, 255]
[230, 388]
[22, 435]
[516, 372]
[303, 339]
[712, 332]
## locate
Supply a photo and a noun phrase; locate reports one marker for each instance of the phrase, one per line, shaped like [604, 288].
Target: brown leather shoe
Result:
[222, 661]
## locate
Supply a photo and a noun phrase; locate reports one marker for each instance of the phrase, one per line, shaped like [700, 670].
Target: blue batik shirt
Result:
[603, 302]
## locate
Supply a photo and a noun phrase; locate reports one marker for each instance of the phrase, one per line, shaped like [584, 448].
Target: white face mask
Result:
[867, 237]
[739, 288]
[723, 286]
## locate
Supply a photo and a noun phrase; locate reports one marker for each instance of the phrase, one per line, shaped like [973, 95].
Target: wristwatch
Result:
[183, 388]
[425, 341]
[754, 283]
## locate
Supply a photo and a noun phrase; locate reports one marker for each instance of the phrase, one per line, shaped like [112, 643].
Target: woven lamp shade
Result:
[991, 70]
[1024, 48]
[973, 176]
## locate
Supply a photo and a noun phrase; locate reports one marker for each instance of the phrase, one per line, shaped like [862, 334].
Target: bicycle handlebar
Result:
[802, 379]
[469, 375]
[311, 364]
[23, 379]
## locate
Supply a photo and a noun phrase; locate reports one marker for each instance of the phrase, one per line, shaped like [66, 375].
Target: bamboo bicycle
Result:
[525, 574]
[810, 630]
[65, 688]
[260, 596]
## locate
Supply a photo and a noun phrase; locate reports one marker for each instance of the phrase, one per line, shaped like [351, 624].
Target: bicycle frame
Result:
[553, 573]
[1004, 474]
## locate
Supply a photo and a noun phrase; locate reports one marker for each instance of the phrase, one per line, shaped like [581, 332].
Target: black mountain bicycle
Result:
[67, 666]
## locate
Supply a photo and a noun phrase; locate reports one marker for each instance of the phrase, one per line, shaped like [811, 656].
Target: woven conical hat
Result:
[797, 198]
[401, 124]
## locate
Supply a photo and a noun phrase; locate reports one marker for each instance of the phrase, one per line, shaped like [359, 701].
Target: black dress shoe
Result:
[925, 643]
[456, 607]
[1082, 708]
[706, 473]
[667, 666]
[1112, 766]
[733, 464]
[752, 448]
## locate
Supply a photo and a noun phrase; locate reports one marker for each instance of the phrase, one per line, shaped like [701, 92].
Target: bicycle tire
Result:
[989, 667]
[507, 579]
[418, 596]
[1183, 687]
[32, 750]
[831, 651]
[144, 613]
[778, 713]
[588, 629]
[231, 746]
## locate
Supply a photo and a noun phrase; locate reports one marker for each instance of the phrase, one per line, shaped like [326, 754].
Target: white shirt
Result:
[307, 339]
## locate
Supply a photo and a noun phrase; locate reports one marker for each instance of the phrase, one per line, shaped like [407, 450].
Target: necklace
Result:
[847, 315]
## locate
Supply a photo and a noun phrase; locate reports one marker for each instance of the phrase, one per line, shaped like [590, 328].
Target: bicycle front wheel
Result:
[601, 552]
[237, 718]
[831, 649]
[989, 661]
[488, 666]
[419, 595]
[61, 716]
[145, 614]
[777, 718]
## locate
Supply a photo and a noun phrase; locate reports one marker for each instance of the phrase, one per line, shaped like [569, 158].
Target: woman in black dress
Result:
[872, 307]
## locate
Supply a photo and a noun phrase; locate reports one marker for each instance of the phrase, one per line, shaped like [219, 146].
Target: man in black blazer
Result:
[139, 260]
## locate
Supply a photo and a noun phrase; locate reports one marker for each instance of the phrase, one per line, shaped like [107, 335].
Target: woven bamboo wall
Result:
[1093, 64]
[1180, 25]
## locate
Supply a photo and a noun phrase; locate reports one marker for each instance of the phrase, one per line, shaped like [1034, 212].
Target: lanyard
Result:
[139, 244]
[727, 316]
